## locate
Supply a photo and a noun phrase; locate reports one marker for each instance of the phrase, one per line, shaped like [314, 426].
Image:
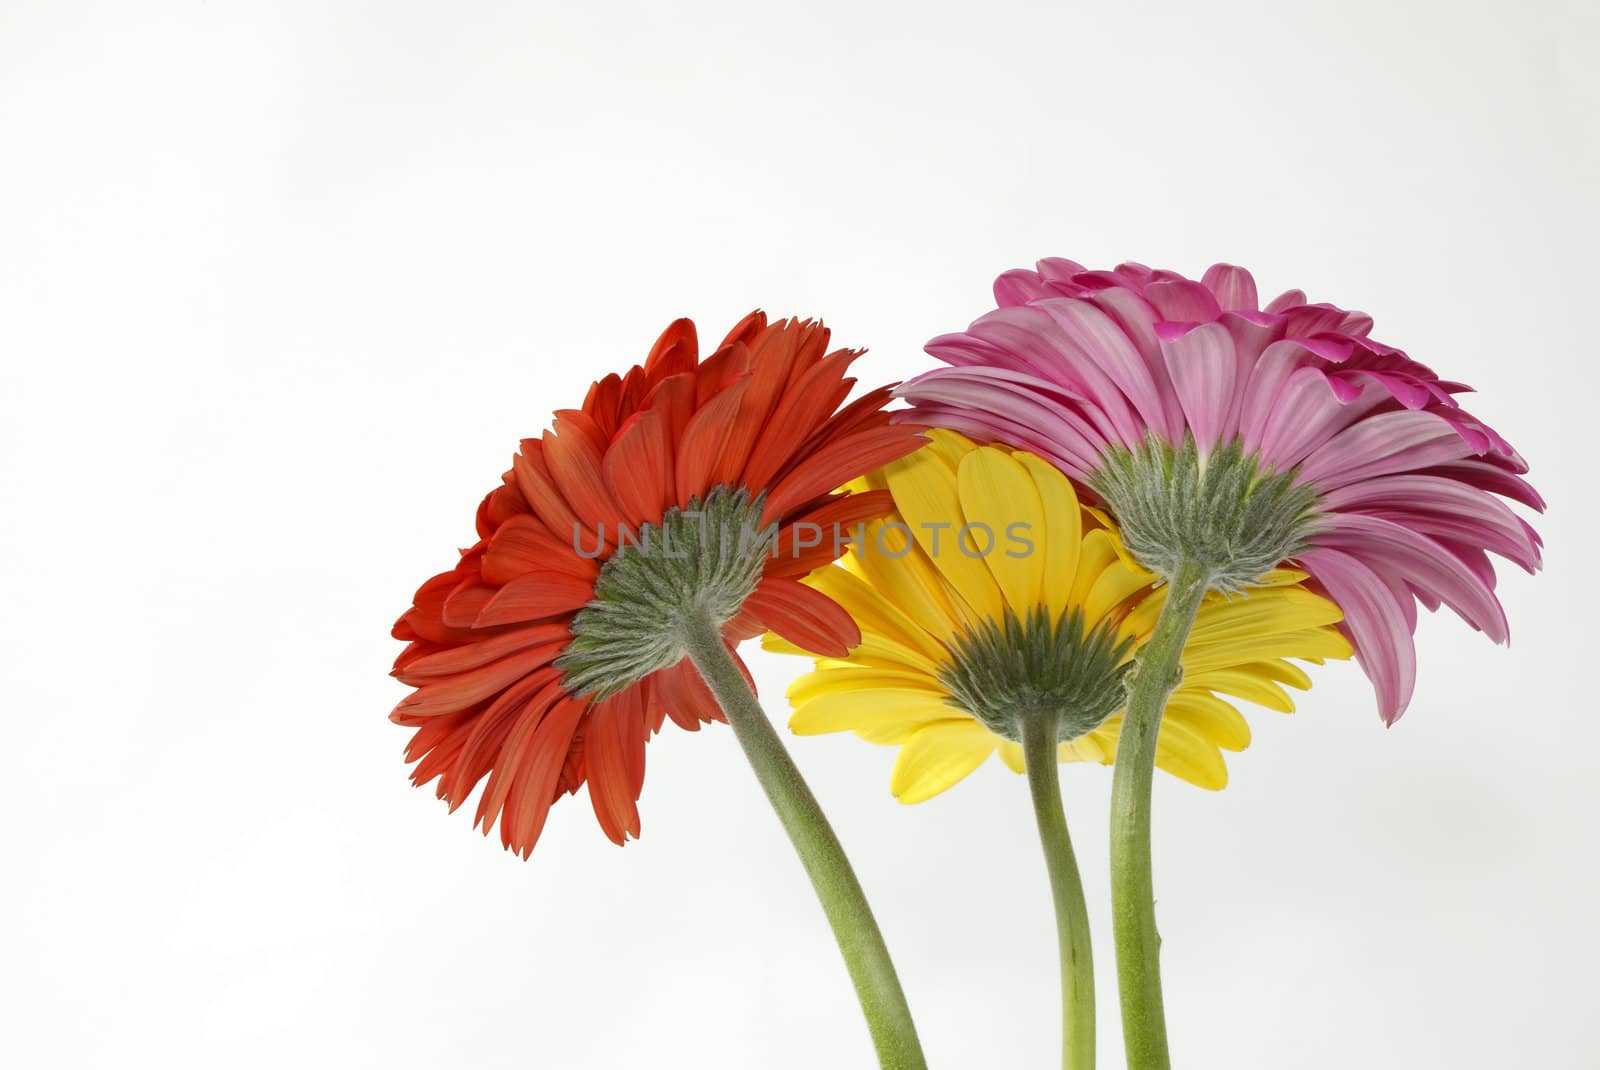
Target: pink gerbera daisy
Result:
[1240, 436]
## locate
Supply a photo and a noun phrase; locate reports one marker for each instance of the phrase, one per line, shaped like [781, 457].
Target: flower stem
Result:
[1039, 744]
[865, 954]
[1156, 672]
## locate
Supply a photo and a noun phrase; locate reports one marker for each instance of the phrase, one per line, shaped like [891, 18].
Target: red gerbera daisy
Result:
[552, 651]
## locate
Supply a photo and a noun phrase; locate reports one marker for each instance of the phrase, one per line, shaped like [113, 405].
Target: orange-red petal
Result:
[806, 617]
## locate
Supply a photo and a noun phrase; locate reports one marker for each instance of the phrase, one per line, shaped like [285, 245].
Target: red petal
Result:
[719, 370]
[677, 350]
[807, 618]
[535, 596]
[533, 479]
[635, 385]
[862, 414]
[688, 700]
[639, 468]
[472, 655]
[500, 505]
[746, 330]
[771, 361]
[702, 442]
[836, 464]
[612, 734]
[574, 461]
[482, 744]
[601, 404]
[447, 694]
[530, 799]
[674, 399]
[837, 519]
[524, 544]
[813, 343]
[461, 609]
[425, 618]
[521, 788]
[804, 406]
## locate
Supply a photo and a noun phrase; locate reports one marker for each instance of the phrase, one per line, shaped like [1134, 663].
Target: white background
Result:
[281, 287]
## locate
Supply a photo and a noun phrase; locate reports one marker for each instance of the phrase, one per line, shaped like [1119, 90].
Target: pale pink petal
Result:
[1374, 622]
[1018, 287]
[1286, 300]
[1097, 342]
[1421, 563]
[990, 392]
[1234, 286]
[1305, 414]
[1443, 508]
[1382, 444]
[1259, 396]
[1204, 372]
[1182, 300]
[1484, 474]
[1033, 335]
[1138, 319]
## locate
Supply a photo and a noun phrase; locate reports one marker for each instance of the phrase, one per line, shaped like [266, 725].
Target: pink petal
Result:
[1417, 560]
[1442, 508]
[1375, 624]
[1491, 477]
[1182, 300]
[1096, 340]
[1137, 318]
[1047, 352]
[1204, 373]
[1381, 444]
[1234, 286]
[1286, 300]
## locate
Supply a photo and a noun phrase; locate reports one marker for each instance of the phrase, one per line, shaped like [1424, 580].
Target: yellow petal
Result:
[1209, 717]
[1116, 584]
[1262, 611]
[1245, 682]
[950, 446]
[1187, 755]
[924, 489]
[1311, 644]
[894, 565]
[873, 611]
[1284, 672]
[1097, 553]
[778, 645]
[1011, 754]
[1000, 503]
[1282, 577]
[851, 677]
[1062, 531]
[1099, 745]
[852, 711]
[938, 757]
[885, 653]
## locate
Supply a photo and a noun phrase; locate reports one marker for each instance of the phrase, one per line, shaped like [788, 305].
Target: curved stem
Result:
[1039, 744]
[865, 954]
[1155, 673]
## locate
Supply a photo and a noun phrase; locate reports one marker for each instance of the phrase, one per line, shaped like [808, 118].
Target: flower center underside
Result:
[1004, 671]
[1225, 511]
[700, 561]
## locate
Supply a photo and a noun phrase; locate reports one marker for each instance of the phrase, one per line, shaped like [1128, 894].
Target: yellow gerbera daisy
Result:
[993, 594]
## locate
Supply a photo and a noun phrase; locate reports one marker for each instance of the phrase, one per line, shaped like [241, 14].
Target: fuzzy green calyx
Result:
[1004, 671]
[700, 562]
[1225, 512]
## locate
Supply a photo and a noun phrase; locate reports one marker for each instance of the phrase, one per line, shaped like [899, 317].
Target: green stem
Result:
[1155, 673]
[1039, 744]
[865, 954]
